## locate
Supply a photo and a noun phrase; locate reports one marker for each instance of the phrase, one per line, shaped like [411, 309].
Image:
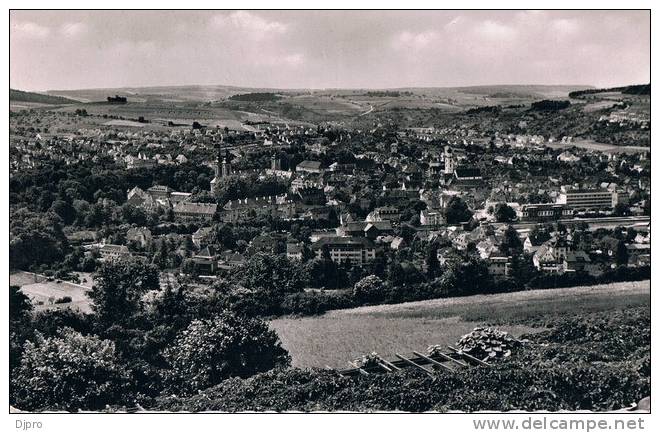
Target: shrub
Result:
[369, 289]
[68, 372]
[210, 351]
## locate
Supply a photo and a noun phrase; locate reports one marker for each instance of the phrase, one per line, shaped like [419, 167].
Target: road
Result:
[371, 108]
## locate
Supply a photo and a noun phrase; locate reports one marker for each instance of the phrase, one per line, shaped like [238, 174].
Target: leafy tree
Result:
[457, 211]
[511, 243]
[369, 289]
[504, 213]
[432, 264]
[35, 239]
[68, 372]
[118, 289]
[621, 254]
[20, 328]
[210, 351]
[272, 274]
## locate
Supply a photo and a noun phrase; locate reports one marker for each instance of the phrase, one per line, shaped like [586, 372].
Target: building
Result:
[188, 210]
[140, 235]
[309, 167]
[294, 251]
[544, 212]
[352, 251]
[384, 213]
[368, 229]
[206, 260]
[221, 169]
[499, 266]
[113, 252]
[239, 210]
[431, 217]
[587, 199]
[202, 236]
[159, 192]
[467, 176]
[557, 256]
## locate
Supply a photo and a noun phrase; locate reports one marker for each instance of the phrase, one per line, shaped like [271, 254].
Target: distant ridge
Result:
[21, 96]
[636, 89]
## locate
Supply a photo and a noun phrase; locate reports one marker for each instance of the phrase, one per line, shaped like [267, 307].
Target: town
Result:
[200, 201]
[329, 211]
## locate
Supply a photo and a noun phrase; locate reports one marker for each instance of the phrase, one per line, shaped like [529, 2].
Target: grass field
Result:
[342, 335]
[43, 293]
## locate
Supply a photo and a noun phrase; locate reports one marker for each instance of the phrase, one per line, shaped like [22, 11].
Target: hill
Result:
[637, 89]
[21, 96]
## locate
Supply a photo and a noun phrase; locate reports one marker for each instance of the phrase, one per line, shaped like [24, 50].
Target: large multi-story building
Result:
[352, 251]
[590, 199]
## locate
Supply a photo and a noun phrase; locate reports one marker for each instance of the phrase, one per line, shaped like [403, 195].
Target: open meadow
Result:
[43, 293]
[339, 336]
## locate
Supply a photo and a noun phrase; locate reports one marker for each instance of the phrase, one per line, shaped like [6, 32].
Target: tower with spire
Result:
[222, 167]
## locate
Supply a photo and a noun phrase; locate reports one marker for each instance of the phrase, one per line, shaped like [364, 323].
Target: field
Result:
[43, 293]
[342, 335]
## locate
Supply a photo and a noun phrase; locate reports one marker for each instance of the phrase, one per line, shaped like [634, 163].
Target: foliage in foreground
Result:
[209, 351]
[599, 361]
[67, 372]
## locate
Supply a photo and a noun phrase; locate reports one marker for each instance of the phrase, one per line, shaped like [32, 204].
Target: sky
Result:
[52, 50]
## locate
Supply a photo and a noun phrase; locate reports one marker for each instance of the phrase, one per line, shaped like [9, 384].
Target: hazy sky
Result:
[294, 49]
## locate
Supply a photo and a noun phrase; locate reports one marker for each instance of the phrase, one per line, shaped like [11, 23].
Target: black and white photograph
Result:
[224, 211]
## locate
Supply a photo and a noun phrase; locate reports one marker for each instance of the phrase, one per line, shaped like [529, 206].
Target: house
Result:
[181, 159]
[431, 217]
[206, 260]
[309, 167]
[140, 235]
[185, 211]
[294, 251]
[202, 236]
[531, 245]
[384, 213]
[113, 252]
[352, 251]
[639, 254]
[230, 260]
[550, 256]
[499, 266]
[366, 229]
[576, 261]
[397, 243]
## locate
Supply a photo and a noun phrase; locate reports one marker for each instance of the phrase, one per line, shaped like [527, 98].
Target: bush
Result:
[210, 351]
[68, 372]
[369, 289]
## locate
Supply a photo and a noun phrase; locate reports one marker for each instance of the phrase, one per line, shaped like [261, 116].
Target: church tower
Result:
[226, 166]
[449, 161]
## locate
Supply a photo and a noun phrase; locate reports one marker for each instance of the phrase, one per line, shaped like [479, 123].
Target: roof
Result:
[311, 165]
[160, 188]
[293, 248]
[462, 172]
[198, 208]
[343, 241]
[355, 226]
